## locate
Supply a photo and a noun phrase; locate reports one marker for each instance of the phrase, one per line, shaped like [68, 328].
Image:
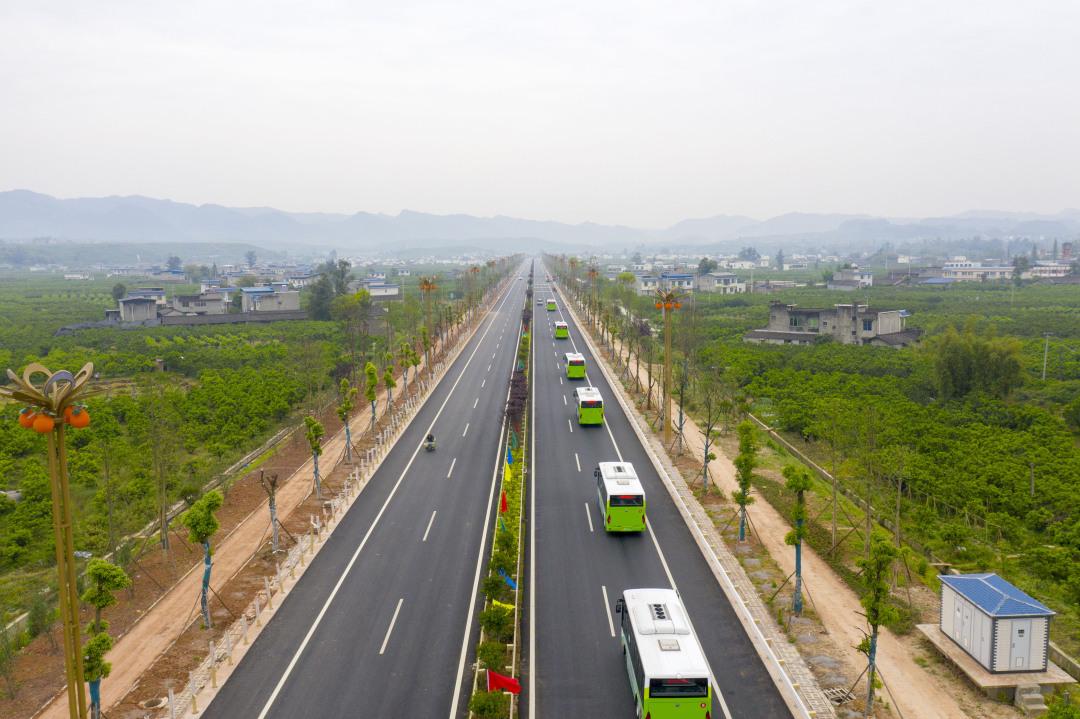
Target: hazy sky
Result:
[629, 112]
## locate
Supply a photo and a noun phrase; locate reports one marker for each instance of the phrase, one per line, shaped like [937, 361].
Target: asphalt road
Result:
[580, 571]
[383, 622]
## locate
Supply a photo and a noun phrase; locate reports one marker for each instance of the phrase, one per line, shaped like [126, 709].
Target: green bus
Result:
[590, 405]
[551, 305]
[575, 365]
[562, 331]
[669, 676]
[621, 497]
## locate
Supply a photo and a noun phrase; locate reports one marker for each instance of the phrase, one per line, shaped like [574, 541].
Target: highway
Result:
[383, 622]
[578, 571]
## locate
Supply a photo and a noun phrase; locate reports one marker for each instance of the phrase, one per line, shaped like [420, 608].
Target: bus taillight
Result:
[609, 519]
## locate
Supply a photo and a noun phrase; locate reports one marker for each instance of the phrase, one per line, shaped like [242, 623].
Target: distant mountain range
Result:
[25, 215]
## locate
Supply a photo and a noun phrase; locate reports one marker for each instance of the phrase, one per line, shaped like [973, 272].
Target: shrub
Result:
[497, 624]
[489, 705]
[492, 654]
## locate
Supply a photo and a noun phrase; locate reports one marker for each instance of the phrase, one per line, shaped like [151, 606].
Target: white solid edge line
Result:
[588, 516]
[531, 498]
[607, 608]
[480, 557]
[390, 628]
[430, 522]
[451, 470]
[341, 580]
[648, 528]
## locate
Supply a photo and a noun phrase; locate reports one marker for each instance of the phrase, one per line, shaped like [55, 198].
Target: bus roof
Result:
[620, 478]
[560, 324]
[570, 356]
[588, 394]
[665, 639]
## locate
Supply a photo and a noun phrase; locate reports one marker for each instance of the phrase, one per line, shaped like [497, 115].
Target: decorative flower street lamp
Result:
[50, 407]
[667, 301]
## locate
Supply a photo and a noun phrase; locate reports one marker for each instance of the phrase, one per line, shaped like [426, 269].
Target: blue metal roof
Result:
[938, 281]
[995, 596]
[261, 290]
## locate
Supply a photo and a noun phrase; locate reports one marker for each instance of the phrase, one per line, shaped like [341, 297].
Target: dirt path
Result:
[166, 619]
[911, 688]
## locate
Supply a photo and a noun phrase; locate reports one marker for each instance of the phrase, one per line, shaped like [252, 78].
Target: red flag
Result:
[502, 503]
[498, 681]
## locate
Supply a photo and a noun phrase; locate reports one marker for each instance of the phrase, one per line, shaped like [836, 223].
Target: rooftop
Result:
[995, 596]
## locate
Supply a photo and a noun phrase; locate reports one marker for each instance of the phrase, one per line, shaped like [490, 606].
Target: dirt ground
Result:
[919, 684]
[150, 657]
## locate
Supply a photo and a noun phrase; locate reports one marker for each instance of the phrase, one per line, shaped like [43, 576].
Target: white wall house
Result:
[999, 626]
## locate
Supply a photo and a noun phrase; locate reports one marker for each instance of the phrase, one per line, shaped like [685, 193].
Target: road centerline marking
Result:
[430, 522]
[451, 471]
[466, 430]
[578, 461]
[393, 620]
[565, 403]
[588, 516]
[607, 608]
[475, 402]
[570, 425]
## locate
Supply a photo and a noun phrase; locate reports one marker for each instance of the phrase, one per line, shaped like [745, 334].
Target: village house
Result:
[853, 324]
[724, 283]
[848, 279]
[269, 298]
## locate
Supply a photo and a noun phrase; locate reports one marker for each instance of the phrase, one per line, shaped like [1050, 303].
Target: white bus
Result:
[669, 675]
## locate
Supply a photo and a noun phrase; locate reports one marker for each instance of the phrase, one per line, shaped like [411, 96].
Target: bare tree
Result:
[270, 486]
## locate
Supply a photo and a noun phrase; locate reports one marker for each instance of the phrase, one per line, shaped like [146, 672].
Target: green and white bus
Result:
[575, 365]
[562, 331]
[590, 405]
[669, 675]
[551, 305]
[621, 497]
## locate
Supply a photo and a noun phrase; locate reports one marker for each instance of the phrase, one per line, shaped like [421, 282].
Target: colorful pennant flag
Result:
[503, 507]
[509, 456]
[503, 605]
[506, 578]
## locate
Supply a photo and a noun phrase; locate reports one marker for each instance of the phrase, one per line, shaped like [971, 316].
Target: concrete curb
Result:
[785, 665]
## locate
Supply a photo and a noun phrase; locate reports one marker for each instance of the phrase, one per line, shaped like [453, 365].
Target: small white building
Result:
[724, 283]
[996, 624]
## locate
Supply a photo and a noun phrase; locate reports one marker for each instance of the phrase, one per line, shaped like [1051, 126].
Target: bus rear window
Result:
[678, 688]
[627, 500]
[592, 403]
[577, 363]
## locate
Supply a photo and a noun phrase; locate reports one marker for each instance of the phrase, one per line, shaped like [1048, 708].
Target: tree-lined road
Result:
[383, 623]
[377, 627]
[577, 668]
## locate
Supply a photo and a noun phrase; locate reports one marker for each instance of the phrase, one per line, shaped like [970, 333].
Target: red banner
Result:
[498, 681]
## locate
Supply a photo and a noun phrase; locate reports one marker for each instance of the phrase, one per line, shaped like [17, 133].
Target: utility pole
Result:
[667, 301]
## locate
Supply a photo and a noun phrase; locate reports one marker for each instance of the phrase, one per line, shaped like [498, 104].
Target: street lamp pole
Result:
[47, 413]
[667, 301]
